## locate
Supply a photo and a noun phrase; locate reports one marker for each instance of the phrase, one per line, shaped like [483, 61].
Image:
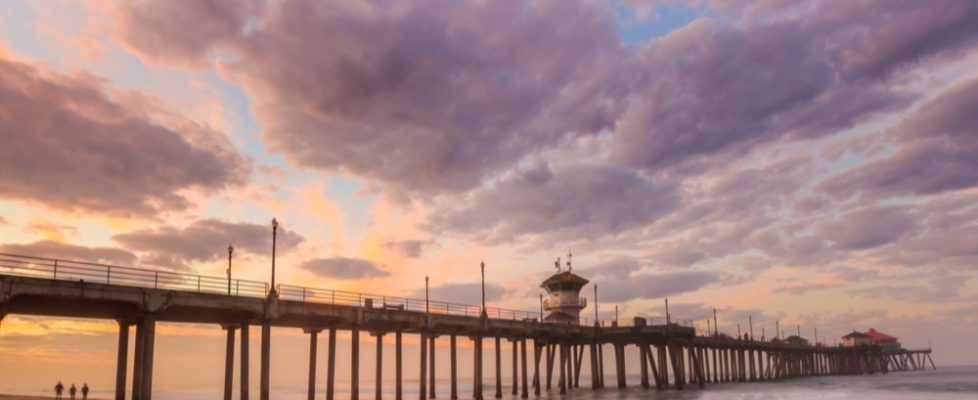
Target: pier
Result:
[673, 355]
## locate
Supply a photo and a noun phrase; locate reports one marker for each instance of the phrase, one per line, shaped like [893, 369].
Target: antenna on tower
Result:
[557, 264]
[569, 255]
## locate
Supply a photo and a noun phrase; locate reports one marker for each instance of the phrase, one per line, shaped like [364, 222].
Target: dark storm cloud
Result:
[71, 142]
[52, 249]
[419, 98]
[936, 153]
[572, 201]
[205, 240]
[344, 268]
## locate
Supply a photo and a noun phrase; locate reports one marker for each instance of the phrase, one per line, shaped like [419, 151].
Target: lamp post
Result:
[427, 309]
[541, 307]
[274, 234]
[483, 269]
[595, 304]
[716, 327]
[750, 320]
[230, 250]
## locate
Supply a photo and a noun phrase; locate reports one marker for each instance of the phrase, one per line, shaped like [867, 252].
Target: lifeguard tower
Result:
[564, 302]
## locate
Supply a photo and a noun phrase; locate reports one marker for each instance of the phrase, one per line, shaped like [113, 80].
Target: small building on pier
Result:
[887, 342]
[564, 302]
[856, 339]
[796, 340]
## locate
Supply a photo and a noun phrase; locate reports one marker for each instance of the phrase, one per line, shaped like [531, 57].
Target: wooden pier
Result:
[672, 355]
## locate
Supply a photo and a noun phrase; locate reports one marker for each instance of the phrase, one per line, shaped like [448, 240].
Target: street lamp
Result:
[230, 250]
[274, 234]
[595, 304]
[483, 268]
[426, 307]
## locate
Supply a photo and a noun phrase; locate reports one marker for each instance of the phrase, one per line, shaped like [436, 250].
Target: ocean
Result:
[945, 383]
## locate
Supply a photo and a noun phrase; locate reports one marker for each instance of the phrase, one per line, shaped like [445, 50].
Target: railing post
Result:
[303, 295]
[108, 274]
[55, 269]
[156, 279]
[198, 283]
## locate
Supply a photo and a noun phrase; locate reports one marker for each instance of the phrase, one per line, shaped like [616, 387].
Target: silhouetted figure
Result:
[72, 391]
[85, 391]
[58, 390]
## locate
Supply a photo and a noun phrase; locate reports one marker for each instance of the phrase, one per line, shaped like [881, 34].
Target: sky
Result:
[813, 163]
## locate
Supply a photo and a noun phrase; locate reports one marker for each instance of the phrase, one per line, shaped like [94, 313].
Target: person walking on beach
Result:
[58, 389]
[85, 391]
[72, 391]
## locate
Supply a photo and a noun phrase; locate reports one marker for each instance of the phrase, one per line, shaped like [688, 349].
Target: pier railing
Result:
[354, 299]
[630, 322]
[69, 270]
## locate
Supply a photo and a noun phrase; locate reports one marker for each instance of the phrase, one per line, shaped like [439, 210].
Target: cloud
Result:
[205, 240]
[570, 202]
[71, 142]
[419, 99]
[654, 286]
[867, 227]
[52, 249]
[688, 103]
[936, 152]
[407, 248]
[464, 293]
[343, 268]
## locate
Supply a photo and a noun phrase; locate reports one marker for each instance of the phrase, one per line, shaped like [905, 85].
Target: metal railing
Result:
[630, 322]
[579, 302]
[68, 270]
[353, 299]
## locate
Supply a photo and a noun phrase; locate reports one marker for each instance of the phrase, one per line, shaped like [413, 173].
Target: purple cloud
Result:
[205, 240]
[936, 151]
[417, 98]
[72, 143]
[867, 228]
[343, 268]
[572, 202]
[52, 249]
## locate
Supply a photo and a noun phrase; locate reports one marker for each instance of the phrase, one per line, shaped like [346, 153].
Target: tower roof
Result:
[565, 276]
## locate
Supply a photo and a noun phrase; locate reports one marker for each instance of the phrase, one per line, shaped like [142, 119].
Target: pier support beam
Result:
[431, 366]
[525, 392]
[516, 345]
[137, 361]
[331, 364]
[378, 368]
[122, 357]
[398, 379]
[454, 366]
[266, 353]
[594, 365]
[146, 366]
[243, 370]
[499, 370]
[423, 368]
[537, 351]
[355, 363]
[644, 367]
[563, 367]
[477, 369]
[313, 353]
[229, 362]
[620, 365]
